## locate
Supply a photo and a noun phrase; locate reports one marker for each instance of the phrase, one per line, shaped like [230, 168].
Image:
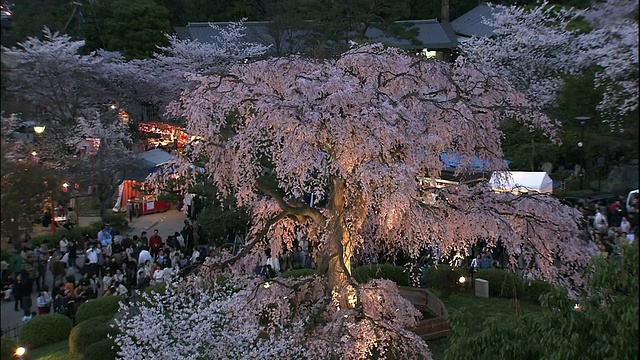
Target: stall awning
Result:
[522, 181]
[154, 158]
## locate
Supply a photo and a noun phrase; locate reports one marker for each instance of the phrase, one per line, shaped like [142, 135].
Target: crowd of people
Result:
[610, 225]
[101, 265]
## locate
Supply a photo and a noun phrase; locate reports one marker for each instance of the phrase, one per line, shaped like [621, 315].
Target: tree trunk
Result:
[336, 261]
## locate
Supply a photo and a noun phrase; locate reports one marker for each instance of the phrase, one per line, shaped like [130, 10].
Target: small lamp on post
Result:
[583, 120]
[39, 129]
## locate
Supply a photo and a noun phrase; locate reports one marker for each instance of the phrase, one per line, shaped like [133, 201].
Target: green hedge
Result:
[102, 350]
[532, 290]
[7, 348]
[76, 234]
[502, 283]
[398, 274]
[89, 332]
[444, 278]
[298, 273]
[117, 221]
[102, 306]
[44, 330]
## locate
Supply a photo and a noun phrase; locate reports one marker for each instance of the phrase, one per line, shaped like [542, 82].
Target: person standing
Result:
[129, 208]
[17, 292]
[187, 234]
[44, 302]
[92, 260]
[155, 242]
[143, 239]
[104, 236]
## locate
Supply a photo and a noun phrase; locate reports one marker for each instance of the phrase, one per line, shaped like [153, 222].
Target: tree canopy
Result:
[359, 133]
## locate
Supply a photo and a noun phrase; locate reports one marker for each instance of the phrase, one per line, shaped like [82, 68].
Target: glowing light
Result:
[462, 280]
[39, 129]
[34, 153]
[65, 185]
[20, 351]
[112, 107]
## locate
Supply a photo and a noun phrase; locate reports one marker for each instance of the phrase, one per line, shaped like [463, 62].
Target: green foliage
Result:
[298, 273]
[502, 283]
[606, 326]
[136, 27]
[117, 220]
[45, 329]
[102, 350]
[220, 219]
[7, 348]
[526, 149]
[397, 274]
[444, 278]
[25, 186]
[534, 289]
[89, 332]
[102, 306]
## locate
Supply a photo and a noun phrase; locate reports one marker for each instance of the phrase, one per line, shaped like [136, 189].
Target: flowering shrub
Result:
[246, 316]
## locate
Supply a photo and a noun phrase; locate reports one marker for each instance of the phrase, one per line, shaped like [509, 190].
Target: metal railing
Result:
[12, 332]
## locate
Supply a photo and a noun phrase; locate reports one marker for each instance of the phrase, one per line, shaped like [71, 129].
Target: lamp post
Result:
[583, 120]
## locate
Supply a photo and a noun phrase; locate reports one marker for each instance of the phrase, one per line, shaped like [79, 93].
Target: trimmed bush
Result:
[298, 273]
[535, 288]
[102, 306]
[52, 240]
[44, 330]
[116, 220]
[7, 348]
[397, 274]
[102, 350]
[502, 283]
[89, 332]
[444, 278]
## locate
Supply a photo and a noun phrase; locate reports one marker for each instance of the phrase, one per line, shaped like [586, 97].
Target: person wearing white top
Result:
[625, 225]
[144, 256]
[64, 245]
[92, 255]
[600, 222]
[158, 276]
[195, 256]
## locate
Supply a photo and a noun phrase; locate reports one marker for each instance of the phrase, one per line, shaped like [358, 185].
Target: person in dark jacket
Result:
[17, 292]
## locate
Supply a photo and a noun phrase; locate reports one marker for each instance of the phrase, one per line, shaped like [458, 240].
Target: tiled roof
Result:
[430, 34]
[470, 24]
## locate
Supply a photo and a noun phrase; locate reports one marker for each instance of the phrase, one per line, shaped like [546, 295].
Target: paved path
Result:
[167, 223]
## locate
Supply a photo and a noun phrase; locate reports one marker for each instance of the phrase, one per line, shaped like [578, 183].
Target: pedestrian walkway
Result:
[166, 222]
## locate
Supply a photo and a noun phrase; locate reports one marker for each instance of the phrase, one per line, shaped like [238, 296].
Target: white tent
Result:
[521, 181]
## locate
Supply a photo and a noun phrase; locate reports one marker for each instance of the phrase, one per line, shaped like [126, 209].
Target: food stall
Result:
[164, 134]
[143, 198]
[142, 203]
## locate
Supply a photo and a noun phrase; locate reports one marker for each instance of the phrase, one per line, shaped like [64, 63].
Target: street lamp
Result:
[20, 352]
[39, 129]
[583, 120]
